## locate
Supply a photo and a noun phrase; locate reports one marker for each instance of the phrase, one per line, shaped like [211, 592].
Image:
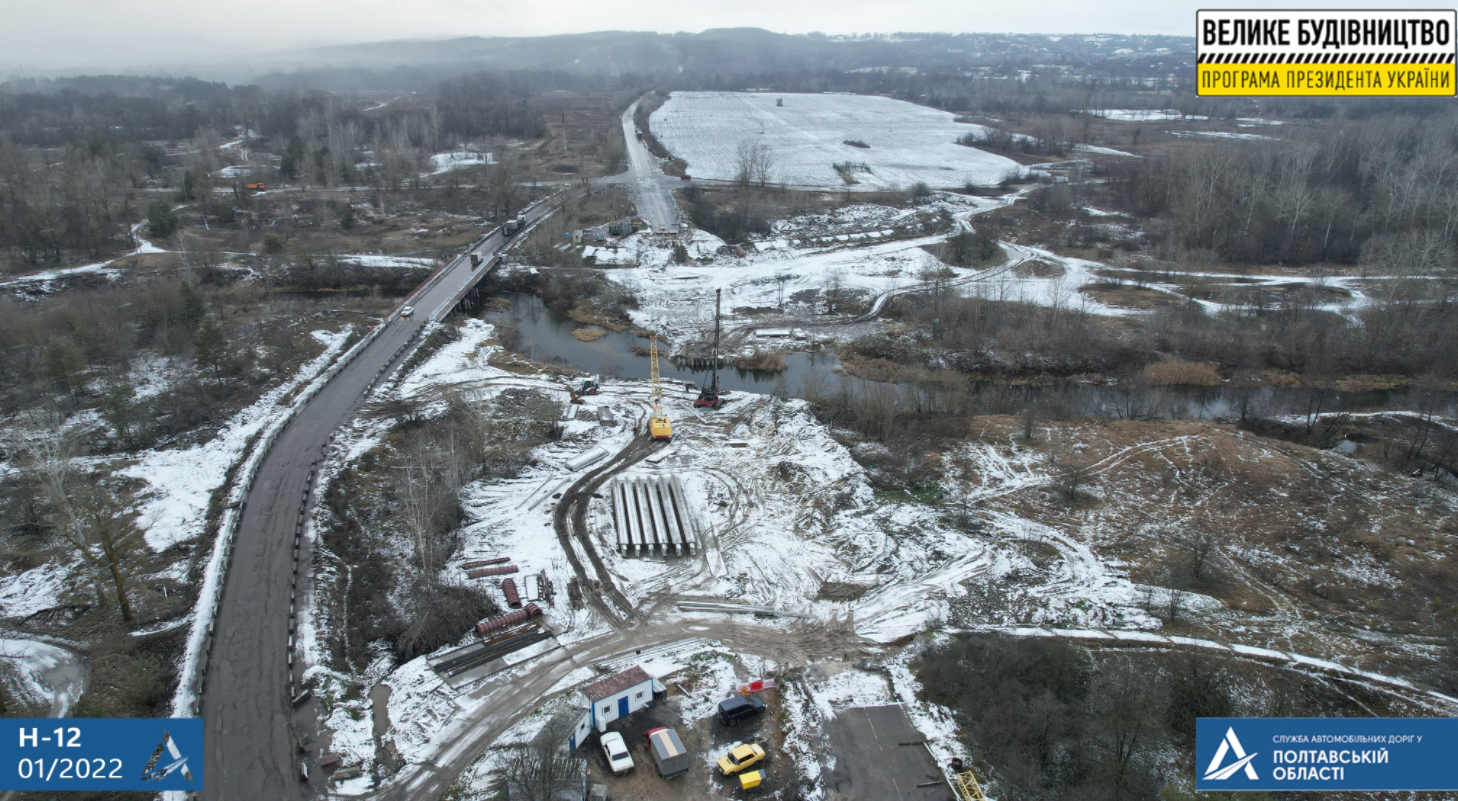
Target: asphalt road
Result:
[652, 190]
[246, 708]
[877, 757]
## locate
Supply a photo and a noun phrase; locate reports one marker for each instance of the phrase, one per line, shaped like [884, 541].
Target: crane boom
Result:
[709, 395]
[658, 425]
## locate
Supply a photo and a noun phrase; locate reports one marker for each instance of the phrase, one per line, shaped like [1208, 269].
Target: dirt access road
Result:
[569, 520]
[502, 700]
[246, 708]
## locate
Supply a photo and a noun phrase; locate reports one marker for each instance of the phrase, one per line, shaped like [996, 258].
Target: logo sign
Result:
[1329, 53]
[1363, 754]
[64, 754]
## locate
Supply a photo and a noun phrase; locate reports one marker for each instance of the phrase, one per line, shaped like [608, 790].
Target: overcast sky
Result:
[51, 34]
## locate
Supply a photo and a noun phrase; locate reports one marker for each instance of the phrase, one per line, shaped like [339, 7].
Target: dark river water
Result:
[545, 335]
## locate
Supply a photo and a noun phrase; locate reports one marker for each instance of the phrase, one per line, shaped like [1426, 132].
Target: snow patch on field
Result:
[457, 362]
[907, 143]
[445, 162]
[1144, 115]
[37, 589]
[44, 674]
[401, 262]
[180, 482]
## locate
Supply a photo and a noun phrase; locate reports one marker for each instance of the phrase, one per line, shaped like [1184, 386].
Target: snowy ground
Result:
[864, 248]
[907, 143]
[400, 262]
[786, 513]
[1220, 135]
[44, 676]
[1144, 115]
[180, 482]
[442, 163]
[43, 280]
[781, 514]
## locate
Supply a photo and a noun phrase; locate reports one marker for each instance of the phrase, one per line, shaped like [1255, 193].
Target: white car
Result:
[407, 311]
[616, 751]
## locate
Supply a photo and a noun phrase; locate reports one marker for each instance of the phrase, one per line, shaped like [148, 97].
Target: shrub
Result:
[1174, 372]
[161, 220]
[762, 361]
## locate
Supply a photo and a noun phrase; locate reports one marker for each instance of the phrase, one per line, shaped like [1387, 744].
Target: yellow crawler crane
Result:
[658, 425]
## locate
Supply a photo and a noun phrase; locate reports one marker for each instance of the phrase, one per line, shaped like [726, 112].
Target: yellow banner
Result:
[1335, 80]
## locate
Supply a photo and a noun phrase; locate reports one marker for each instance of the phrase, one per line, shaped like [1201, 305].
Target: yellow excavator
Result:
[658, 425]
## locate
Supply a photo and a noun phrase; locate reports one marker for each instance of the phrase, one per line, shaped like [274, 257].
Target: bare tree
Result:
[754, 163]
[101, 531]
[1202, 549]
[544, 770]
[1070, 481]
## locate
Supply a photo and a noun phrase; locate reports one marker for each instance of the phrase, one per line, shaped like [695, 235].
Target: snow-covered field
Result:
[907, 143]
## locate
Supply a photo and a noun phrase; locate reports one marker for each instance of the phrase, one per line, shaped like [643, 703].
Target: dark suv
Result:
[740, 707]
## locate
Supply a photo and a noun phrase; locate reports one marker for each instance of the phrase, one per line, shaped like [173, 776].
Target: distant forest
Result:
[76, 152]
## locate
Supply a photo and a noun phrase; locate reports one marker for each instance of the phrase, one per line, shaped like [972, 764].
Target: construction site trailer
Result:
[668, 752]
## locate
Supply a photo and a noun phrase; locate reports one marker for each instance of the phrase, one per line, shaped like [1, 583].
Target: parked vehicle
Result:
[667, 750]
[616, 750]
[740, 758]
[739, 708]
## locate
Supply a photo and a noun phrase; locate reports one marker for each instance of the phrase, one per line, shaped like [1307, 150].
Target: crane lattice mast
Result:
[658, 425]
[657, 391]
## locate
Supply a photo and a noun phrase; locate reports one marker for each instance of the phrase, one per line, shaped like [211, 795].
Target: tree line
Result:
[84, 160]
[1379, 192]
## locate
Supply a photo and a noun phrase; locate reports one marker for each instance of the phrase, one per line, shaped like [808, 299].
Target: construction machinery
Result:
[589, 387]
[966, 784]
[658, 425]
[709, 395]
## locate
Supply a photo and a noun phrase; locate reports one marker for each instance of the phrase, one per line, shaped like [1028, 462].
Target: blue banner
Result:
[101, 754]
[1326, 754]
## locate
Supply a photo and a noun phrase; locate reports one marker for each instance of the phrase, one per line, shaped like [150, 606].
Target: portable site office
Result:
[668, 752]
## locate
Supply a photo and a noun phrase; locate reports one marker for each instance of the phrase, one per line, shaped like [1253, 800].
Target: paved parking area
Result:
[871, 764]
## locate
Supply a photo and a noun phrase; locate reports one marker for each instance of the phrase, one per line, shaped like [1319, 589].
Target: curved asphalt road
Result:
[246, 708]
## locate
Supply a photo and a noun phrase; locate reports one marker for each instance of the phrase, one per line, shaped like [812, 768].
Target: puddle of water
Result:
[380, 709]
